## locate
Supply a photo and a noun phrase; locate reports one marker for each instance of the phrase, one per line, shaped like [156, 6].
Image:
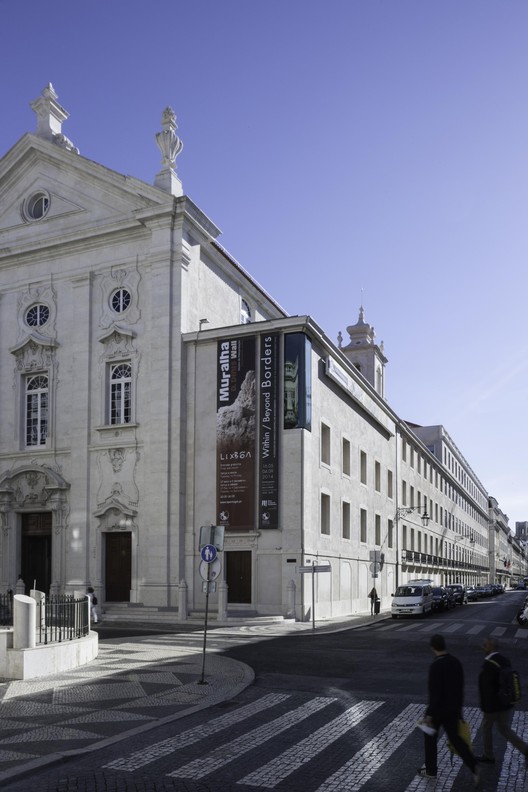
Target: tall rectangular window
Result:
[377, 530]
[377, 476]
[390, 533]
[120, 393]
[37, 404]
[345, 520]
[325, 513]
[363, 467]
[346, 457]
[325, 444]
[404, 493]
[389, 484]
[363, 525]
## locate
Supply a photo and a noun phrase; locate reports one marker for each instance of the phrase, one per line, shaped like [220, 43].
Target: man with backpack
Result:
[499, 690]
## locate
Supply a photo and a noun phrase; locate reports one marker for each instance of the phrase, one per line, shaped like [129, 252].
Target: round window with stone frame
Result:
[120, 300]
[37, 315]
[36, 206]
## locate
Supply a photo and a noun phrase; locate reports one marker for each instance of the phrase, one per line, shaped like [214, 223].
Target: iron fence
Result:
[62, 618]
[6, 609]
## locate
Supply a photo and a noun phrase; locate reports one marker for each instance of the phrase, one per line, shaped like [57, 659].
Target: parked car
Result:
[441, 599]
[413, 598]
[520, 587]
[459, 593]
[472, 594]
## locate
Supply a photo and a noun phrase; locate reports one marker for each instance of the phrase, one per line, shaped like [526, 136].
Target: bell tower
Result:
[365, 354]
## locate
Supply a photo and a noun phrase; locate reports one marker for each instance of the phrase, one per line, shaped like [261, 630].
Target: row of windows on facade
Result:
[411, 539]
[37, 402]
[450, 463]
[439, 481]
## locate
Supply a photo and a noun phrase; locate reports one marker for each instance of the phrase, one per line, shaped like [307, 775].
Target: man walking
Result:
[446, 698]
[493, 710]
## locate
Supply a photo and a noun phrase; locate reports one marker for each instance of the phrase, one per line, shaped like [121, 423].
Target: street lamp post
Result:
[403, 511]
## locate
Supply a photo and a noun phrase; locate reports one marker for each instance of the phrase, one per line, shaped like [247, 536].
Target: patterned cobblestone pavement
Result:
[130, 687]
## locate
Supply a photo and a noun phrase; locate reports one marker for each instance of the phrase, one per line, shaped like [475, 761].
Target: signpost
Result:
[211, 541]
[314, 568]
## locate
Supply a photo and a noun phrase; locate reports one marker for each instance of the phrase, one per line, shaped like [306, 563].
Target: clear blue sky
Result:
[350, 150]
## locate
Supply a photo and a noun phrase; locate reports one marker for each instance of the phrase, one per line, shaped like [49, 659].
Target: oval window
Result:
[120, 301]
[37, 315]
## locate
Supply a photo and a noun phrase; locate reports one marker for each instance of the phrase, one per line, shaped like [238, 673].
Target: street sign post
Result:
[211, 540]
[314, 568]
[212, 534]
[208, 553]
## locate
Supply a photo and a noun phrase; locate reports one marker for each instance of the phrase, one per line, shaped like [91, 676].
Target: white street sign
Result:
[210, 571]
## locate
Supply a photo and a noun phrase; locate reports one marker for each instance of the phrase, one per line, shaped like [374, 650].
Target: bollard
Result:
[222, 601]
[40, 599]
[182, 601]
[24, 622]
[291, 600]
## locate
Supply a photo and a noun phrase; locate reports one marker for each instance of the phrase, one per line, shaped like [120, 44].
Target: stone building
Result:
[149, 387]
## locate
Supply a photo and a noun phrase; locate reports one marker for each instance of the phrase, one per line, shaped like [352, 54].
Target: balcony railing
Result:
[415, 558]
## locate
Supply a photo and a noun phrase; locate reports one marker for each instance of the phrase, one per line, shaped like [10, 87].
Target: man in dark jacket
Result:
[446, 698]
[493, 711]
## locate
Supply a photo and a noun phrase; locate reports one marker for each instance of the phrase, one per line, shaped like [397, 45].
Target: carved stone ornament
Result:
[241, 541]
[31, 296]
[122, 277]
[35, 487]
[167, 140]
[118, 466]
[35, 354]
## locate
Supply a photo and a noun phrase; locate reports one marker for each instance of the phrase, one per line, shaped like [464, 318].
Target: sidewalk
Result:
[133, 685]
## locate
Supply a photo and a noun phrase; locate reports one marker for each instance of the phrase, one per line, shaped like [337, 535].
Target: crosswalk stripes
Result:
[165, 747]
[282, 766]
[253, 739]
[378, 753]
[460, 628]
[352, 775]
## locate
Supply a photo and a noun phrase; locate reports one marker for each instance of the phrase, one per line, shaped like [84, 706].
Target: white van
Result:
[414, 598]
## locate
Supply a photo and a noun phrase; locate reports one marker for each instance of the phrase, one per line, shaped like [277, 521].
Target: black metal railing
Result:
[6, 609]
[62, 618]
[424, 559]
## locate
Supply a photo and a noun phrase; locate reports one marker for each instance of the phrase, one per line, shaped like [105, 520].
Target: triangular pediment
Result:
[79, 194]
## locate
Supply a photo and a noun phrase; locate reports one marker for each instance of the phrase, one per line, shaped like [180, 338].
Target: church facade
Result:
[149, 386]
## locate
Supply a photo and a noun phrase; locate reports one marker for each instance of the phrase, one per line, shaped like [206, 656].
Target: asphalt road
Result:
[329, 712]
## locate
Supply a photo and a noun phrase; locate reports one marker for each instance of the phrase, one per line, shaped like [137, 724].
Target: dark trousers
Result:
[450, 724]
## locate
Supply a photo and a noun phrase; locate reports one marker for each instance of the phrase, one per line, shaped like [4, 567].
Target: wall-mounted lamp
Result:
[202, 322]
[403, 511]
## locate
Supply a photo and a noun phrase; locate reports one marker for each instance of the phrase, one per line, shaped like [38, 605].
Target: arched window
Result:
[120, 393]
[37, 400]
[245, 312]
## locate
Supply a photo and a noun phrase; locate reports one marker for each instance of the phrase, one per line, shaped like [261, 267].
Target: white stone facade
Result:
[114, 298]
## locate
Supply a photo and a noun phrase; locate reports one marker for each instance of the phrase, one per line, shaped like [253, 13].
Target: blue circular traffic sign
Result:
[208, 553]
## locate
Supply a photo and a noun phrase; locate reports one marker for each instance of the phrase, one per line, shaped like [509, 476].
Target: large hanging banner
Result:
[235, 433]
[268, 432]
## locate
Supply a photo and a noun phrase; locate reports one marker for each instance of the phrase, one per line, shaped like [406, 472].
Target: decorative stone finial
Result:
[170, 146]
[50, 117]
